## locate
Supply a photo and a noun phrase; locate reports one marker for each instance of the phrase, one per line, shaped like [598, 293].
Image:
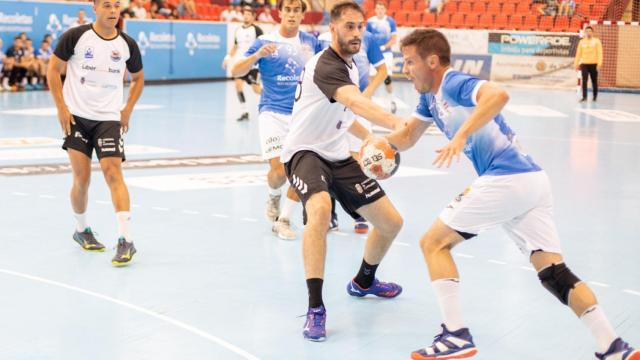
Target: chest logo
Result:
[115, 56]
[88, 52]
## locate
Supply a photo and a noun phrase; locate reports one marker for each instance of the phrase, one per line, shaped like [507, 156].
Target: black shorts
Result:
[251, 77]
[309, 173]
[103, 136]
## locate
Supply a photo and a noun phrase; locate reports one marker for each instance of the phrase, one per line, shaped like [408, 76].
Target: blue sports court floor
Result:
[211, 282]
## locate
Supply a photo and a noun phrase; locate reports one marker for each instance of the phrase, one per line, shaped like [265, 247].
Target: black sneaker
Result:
[333, 225]
[583, 100]
[124, 253]
[87, 240]
[244, 116]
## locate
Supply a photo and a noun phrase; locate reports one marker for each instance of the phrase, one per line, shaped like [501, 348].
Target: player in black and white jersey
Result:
[319, 165]
[91, 114]
[244, 37]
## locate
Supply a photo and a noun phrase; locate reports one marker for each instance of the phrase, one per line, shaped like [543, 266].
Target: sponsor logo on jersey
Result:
[88, 52]
[115, 56]
[114, 71]
[88, 68]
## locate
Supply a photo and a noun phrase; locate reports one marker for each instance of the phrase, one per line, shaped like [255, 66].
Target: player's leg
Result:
[109, 144]
[593, 72]
[360, 226]
[79, 151]
[255, 85]
[239, 85]
[306, 169]
[585, 77]
[535, 234]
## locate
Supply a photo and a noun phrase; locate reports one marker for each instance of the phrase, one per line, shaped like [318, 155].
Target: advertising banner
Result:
[533, 44]
[533, 70]
[180, 49]
[37, 19]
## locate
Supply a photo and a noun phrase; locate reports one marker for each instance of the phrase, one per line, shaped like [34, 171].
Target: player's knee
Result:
[318, 209]
[387, 80]
[431, 244]
[112, 175]
[81, 181]
[559, 281]
[393, 225]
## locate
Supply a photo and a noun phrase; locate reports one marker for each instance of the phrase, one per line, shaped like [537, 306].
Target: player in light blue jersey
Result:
[512, 191]
[280, 56]
[383, 28]
[369, 55]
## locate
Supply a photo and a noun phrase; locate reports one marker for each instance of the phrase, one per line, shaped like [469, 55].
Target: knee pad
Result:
[559, 280]
[387, 80]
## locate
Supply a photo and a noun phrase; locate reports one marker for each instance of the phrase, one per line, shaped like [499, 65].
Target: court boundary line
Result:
[167, 319]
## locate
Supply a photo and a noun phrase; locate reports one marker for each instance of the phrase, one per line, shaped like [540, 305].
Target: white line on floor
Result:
[401, 243]
[339, 233]
[17, 193]
[160, 208]
[192, 329]
[220, 216]
[599, 284]
[190, 212]
[465, 256]
[497, 262]
[528, 268]
[632, 292]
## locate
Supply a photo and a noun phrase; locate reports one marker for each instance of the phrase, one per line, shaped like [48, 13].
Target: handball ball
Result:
[378, 159]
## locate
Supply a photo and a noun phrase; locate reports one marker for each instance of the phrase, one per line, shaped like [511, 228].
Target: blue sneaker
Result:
[314, 327]
[378, 288]
[448, 345]
[361, 226]
[619, 350]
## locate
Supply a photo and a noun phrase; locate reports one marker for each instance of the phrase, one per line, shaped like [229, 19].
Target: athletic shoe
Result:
[314, 327]
[448, 345]
[124, 253]
[619, 350]
[377, 288]
[282, 228]
[87, 240]
[273, 207]
[28, 87]
[361, 226]
[333, 225]
[244, 116]
[583, 100]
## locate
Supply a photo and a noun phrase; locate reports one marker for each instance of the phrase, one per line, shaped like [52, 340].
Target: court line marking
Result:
[497, 262]
[527, 268]
[17, 193]
[338, 232]
[401, 243]
[464, 255]
[190, 212]
[632, 292]
[192, 329]
[596, 283]
[220, 216]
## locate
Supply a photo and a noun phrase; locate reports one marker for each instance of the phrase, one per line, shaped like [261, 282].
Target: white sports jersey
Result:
[93, 88]
[319, 123]
[245, 37]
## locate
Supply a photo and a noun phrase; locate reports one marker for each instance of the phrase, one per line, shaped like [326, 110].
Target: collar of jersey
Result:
[105, 39]
[340, 57]
[438, 94]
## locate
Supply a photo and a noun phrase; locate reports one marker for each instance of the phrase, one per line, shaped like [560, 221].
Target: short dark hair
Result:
[339, 8]
[429, 42]
[588, 28]
[280, 4]
[381, 2]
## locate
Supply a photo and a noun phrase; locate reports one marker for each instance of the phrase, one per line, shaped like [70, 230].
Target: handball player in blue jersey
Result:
[280, 56]
[512, 191]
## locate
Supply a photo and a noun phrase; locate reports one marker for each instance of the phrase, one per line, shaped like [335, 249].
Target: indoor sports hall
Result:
[211, 280]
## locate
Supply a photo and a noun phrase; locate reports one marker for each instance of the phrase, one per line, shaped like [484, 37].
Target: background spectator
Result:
[567, 7]
[231, 14]
[265, 16]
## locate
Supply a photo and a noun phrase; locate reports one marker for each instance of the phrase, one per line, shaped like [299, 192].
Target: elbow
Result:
[503, 97]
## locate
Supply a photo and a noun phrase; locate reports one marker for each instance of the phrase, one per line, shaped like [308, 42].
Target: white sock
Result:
[34, 80]
[596, 321]
[448, 294]
[287, 208]
[275, 192]
[81, 221]
[123, 224]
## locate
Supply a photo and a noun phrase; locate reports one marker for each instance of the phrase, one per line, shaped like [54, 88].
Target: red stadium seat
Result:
[429, 20]
[464, 8]
[561, 23]
[508, 8]
[485, 21]
[471, 21]
[493, 7]
[408, 5]
[546, 23]
[442, 20]
[523, 8]
[415, 19]
[457, 20]
[478, 7]
[501, 21]
[530, 22]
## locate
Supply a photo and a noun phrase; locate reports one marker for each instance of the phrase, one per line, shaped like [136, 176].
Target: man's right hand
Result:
[266, 50]
[66, 119]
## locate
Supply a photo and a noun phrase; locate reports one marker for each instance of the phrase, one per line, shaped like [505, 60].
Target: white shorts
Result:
[388, 61]
[354, 141]
[273, 128]
[521, 203]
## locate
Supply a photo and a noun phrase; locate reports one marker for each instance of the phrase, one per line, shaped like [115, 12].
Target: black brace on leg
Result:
[559, 280]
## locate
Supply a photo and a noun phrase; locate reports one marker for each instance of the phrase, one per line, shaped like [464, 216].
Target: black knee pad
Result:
[387, 80]
[559, 280]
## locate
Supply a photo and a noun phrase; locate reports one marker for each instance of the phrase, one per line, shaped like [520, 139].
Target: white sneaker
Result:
[282, 228]
[273, 207]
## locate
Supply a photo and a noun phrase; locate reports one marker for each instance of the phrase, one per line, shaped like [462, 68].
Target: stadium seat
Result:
[508, 8]
[545, 23]
[421, 6]
[501, 21]
[515, 22]
[415, 19]
[471, 21]
[486, 21]
[530, 22]
[561, 24]
[395, 5]
[493, 7]
[479, 7]
[442, 20]
[408, 5]
[576, 24]
[464, 8]
[429, 20]
[450, 7]
[457, 20]
[523, 8]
